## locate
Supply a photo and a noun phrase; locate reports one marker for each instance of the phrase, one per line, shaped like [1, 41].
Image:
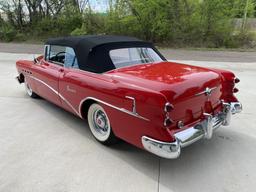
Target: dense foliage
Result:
[207, 23]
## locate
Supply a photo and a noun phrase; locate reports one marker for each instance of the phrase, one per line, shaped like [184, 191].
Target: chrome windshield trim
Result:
[114, 107]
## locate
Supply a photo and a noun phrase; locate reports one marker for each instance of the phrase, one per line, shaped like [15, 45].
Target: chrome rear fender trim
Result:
[112, 106]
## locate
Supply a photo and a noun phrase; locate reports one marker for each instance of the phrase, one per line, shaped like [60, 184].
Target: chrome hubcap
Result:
[100, 122]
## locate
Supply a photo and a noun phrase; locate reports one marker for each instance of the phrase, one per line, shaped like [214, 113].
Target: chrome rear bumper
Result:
[203, 129]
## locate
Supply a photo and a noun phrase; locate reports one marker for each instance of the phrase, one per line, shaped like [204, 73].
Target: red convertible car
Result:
[127, 90]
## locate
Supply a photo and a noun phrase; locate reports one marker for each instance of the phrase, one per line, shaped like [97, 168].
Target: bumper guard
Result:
[203, 129]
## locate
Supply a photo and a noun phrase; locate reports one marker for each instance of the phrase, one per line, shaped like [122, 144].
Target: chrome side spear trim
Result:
[93, 98]
[114, 107]
[56, 92]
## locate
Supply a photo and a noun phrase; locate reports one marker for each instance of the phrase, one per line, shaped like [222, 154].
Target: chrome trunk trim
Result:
[207, 91]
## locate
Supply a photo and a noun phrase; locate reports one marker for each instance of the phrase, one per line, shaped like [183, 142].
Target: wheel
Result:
[100, 125]
[29, 90]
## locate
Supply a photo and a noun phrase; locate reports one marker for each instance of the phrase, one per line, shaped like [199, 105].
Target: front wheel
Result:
[29, 90]
[100, 125]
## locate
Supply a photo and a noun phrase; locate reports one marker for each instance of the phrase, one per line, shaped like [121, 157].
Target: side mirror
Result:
[35, 60]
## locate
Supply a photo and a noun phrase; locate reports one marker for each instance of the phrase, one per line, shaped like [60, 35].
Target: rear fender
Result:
[228, 85]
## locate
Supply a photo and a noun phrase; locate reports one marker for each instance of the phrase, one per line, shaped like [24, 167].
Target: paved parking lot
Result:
[44, 148]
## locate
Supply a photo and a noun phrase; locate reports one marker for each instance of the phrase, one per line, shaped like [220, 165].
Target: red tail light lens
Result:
[235, 90]
[168, 122]
[168, 107]
[236, 80]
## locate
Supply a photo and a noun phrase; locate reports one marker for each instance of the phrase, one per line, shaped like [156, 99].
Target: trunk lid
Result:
[183, 85]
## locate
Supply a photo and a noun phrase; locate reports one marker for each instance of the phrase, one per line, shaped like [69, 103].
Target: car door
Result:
[47, 75]
[69, 82]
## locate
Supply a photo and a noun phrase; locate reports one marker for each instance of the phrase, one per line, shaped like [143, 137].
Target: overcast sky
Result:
[99, 5]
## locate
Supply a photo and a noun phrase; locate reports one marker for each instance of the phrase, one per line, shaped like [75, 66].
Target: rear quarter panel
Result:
[149, 104]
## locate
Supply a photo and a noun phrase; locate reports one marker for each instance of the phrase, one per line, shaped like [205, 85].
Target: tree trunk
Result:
[245, 15]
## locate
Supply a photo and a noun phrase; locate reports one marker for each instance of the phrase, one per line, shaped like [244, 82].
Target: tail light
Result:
[168, 122]
[235, 90]
[229, 87]
[168, 107]
[236, 80]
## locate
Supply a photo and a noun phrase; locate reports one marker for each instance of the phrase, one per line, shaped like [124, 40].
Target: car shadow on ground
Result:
[223, 161]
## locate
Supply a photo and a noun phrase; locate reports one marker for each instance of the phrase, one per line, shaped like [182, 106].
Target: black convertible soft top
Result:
[92, 51]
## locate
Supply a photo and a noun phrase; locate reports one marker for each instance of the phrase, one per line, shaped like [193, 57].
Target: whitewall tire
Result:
[99, 125]
[29, 90]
